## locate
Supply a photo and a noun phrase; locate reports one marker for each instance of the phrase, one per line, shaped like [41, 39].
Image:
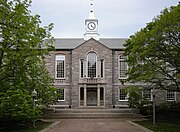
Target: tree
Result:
[153, 52]
[23, 47]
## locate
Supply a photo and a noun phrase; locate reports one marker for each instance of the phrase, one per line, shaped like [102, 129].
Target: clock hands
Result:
[91, 26]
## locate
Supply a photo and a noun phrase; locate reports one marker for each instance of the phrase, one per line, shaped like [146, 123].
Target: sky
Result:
[117, 18]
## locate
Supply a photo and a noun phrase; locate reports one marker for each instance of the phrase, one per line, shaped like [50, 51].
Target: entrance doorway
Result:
[91, 96]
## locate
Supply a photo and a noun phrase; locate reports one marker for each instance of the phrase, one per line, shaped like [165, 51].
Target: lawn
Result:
[39, 126]
[161, 126]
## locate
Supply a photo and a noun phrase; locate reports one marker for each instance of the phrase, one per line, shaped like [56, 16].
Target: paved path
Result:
[94, 125]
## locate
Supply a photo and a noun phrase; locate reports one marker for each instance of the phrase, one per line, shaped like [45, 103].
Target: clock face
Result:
[91, 26]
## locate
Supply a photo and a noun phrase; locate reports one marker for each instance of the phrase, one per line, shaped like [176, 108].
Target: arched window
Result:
[92, 61]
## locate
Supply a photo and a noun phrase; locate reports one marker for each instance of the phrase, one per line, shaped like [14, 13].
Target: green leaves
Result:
[22, 67]
[153, 52]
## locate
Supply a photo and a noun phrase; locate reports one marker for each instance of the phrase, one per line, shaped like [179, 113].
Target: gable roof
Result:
[71, 43]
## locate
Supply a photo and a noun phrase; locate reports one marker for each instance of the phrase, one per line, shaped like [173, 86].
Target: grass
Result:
[161, 126]
[39, 126]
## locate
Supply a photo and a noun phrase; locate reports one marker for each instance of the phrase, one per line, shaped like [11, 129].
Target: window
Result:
[61, 94]
[102, 68]
[60, 66]
[146, 94]
[123, 95]
[92, 61]
[81, 93]
[170, 96]
[101, 93]
[123, 67]
[81, 68]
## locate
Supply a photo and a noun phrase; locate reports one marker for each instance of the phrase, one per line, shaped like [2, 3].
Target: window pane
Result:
[82, 70]
[147, 94]
[102, 68]
[101, 93]
[60, 66]
[81, 93]
[170, 96]
[92, 65]
[61, 94]
[123, 94]
[123, 67]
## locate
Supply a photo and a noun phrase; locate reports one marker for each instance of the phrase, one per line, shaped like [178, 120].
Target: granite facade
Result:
[110, 82]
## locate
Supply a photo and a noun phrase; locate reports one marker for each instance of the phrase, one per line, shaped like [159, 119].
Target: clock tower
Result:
[91, 25]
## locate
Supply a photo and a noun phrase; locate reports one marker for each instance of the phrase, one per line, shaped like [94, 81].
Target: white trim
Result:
[151, 92]
[104, 94]
[64, 95]
[64, 67]
[80, 68]
[119, 96]
[92, 51]
[103, 68]
[120, 78]
[80, 96]
[174, 96]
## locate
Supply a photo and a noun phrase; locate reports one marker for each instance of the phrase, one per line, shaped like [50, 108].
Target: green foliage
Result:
[153, 52]
[15, 106]
[135, 96]
[168, 111]
[23, 47]
[135, 99]
[162, 126]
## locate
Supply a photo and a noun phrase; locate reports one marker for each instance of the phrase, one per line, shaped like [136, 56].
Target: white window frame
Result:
[87, 64]
[103, 68]
[151, 91]
[126, 98]
[64, 95]
[81, 67]
[56, 66]
[119, 67]
[168, 99]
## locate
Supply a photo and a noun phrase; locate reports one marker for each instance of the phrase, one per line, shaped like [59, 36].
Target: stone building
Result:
[89, 71]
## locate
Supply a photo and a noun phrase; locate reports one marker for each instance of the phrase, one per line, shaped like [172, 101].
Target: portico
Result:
[91, 96]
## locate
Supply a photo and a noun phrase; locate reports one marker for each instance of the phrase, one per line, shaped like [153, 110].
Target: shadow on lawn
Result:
[23, 126]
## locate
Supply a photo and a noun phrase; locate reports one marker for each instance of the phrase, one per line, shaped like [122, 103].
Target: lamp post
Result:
[154, 107]
[34, 94]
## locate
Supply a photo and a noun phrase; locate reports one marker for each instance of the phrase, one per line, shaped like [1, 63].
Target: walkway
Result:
[94, 125]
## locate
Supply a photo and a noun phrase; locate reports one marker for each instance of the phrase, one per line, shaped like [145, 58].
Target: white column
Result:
[85, 93]
[98, 95]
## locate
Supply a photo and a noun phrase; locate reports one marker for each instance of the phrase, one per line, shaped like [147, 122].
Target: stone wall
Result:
[102, 52]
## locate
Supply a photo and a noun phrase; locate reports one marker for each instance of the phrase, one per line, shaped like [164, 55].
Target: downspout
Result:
[113, 77]
[70, 80]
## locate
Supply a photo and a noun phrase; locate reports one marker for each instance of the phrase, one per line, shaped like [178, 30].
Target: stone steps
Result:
[95, 111]
[92, 113]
